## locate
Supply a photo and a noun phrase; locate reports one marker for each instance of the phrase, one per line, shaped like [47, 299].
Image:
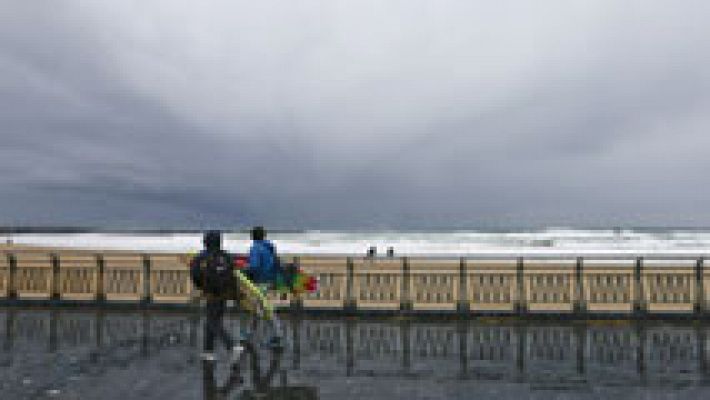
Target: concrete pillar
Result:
[639, 306]
[350, 302]
[54, 290]
[522, 303]
[580, 306]
[100, 270]
[405, 303]
[146, 297]
[462, 305]
[12, 277]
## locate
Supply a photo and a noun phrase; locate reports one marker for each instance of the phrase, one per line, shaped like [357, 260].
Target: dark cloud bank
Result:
[354, 114]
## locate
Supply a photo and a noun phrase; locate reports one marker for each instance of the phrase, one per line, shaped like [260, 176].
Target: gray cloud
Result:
[343, 114]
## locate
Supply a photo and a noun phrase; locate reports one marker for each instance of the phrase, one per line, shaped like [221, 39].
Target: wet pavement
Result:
[101, 354]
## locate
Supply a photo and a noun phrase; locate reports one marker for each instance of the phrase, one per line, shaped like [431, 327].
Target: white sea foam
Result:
[547, 241]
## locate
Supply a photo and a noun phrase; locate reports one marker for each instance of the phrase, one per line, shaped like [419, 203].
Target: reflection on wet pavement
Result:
[87, 354]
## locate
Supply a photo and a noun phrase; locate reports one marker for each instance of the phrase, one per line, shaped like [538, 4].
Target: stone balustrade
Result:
[515, 285]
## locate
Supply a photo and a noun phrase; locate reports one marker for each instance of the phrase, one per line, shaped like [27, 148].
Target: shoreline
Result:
[659, 255]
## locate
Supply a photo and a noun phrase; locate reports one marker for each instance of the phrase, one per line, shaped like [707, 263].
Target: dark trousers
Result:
[213, 325]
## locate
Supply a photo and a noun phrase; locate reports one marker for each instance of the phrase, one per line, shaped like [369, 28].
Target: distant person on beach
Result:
[372, 251]
[390, 252]
[212, 272]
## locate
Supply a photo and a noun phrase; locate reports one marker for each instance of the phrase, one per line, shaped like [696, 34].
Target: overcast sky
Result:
[355, 114]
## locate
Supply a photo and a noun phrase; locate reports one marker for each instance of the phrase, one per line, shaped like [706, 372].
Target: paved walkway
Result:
[76, 354]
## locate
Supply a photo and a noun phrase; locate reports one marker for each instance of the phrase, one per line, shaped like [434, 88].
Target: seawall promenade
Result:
[555, 285]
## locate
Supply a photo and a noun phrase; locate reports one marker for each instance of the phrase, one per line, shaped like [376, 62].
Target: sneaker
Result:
[237, 353]
[208, 356]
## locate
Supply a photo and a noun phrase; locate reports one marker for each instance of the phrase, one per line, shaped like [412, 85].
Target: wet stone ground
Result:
[100, 354]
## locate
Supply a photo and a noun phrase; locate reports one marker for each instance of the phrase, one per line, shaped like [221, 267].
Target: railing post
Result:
[349, 303]
[579, 303]
[12, 278]
[146, 298]
[462, 304]
[699, 287]
[54, 291]
[521, 305]
[405, 303]
[100, 289]
[638, 292]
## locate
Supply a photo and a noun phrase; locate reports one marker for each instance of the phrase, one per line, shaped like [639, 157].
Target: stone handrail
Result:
[502, 283]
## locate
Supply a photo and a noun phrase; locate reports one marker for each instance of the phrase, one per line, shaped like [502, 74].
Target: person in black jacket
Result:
[212, 272]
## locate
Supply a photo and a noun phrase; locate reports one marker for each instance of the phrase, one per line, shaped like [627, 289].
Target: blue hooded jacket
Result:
[262, 257]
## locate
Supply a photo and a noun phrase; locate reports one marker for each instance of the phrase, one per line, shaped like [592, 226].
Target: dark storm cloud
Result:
[354, 114]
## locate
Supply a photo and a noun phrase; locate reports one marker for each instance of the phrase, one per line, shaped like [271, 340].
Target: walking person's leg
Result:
[214, 327]
[229, 343]
[210, 323]
[219, 326]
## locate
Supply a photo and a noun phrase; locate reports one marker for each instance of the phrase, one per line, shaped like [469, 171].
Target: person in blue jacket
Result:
[262, 257]
[263, 269]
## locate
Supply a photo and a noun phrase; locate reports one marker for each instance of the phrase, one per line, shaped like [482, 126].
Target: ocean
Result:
[440, 243]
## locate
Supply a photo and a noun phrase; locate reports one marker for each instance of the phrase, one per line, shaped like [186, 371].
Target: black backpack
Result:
[218, 274]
